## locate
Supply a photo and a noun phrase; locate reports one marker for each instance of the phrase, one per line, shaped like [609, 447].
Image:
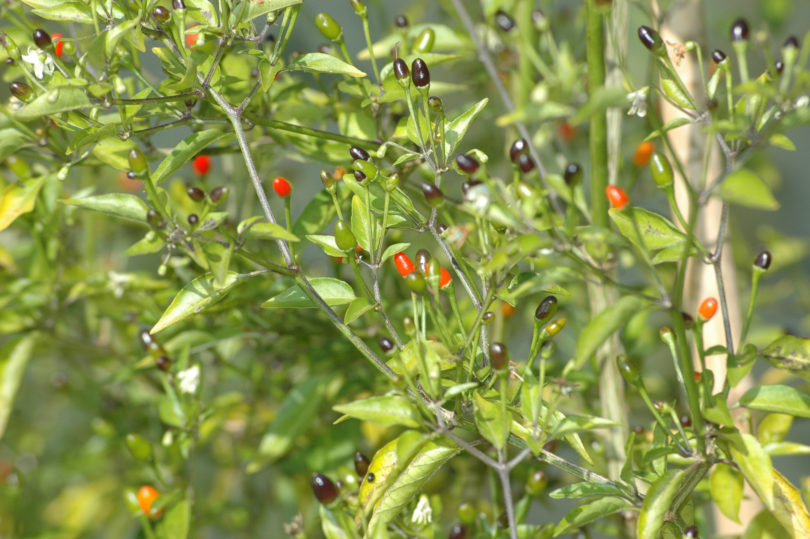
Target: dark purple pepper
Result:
[518, 147]
[650, 38]
[763, 260]
[791, 42]
[193, 219]
[401, 69]
[217, 194]
[573, 174]
[467, 163]
[739, 30]
[20, 90]
[779, 66]
[718, 56]
[504, 21]
[361, 463]
[488, 317]
[688, 321]
[420, 74]
[179, 4]
[525, 163]
[325, 490]
[370, 478]
[433, 194]
[457, 532]
[42, 39]
[356, 152]
[152, 217]
[691, 532]
[466, 186]
[386, 345]
[546, 309]
[498, 355]
[685, 420]
[422, 259]
[195, 193]
[441, 228]
[163, 363]
[359, 176]
[401, 21]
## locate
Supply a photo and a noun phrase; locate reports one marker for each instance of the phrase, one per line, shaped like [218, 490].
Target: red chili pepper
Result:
[403, 264]
[707, 308]
[643, 153]
[201, 165]
[617, 197]
[58, 44]
[567, 132]
[444, 278]
[146, 497]
[282, 187]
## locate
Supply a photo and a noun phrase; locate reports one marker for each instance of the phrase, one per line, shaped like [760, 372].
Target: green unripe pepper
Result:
[139, 446]
[416, 282]
[425, 40]
[628, 369]
[661, 170]
[327, 26]
[344, 238]
[137, 161]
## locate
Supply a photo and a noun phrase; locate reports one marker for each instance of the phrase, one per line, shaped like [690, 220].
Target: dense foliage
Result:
[477, 319]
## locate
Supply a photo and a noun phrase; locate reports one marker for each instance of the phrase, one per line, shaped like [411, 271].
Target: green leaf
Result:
[17, 199]
[393, 249]
[602, 99]
[656, 231]
[457, 128]
[121, 205]
[584, 514]
[336, 525]
[356, 309]
[271, 231]
[586, 490]
[773, 429]
[745, 188]
[384, 410]
[316, 215]
[11, 140]
[150, 243]
[176, 523]
[603, 325]
[673, 91]
[297, 414]
[755, 464]
[187, 149]
[777, 398]
[257, 9]
[578, 423]
[726, 487]
[61, 99]
[14, 358]
[669, 126]
[326, 243]
[364, 225]
[318, 62]
[657, 502]
[333, 291]
[765, 526]
[491, 421]
[781, 141]
[194, 297]
[789, 353]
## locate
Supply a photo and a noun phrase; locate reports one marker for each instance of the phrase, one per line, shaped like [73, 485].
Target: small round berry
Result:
[193, 219]
[616, 196]
[386, 345]
[195, 193]
[146, 498]
[466, 513]
[518, 147]
[499, 356]
[325, 490]
[420, 74]
[433, 194]
[718, 56]
[467, 163]
[360, 176]
[685, 420]
[525, 163]
[643, 153]
[779, 66]
[361, 463]
[537, 483]
[356, 152]
[763, 260]
[739, 30]
[707, 309]
[282, 187]
[201, 165]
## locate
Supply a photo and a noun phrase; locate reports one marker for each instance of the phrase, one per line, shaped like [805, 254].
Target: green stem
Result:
[751, 301]
[595, 53]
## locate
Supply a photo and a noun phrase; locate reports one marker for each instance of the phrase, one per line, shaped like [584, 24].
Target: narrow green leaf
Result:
[17, 199]
[61, 99]
[271, 231]
[14, 358]
[789, 353]
[364, 225]
[584, 514]
[743, 187]
[657, 502]
[755, 464]
[578, 423]
[11, 140]
[604, 324]
[586, 490]
[186, 150]
[491, 421]
[765, 526]
[318, 62]
[176, 523]
[356, 309]
[773, 429]
[669, 126]
[726, 487]
[257, 9]
[777, 398]
[457, 128]
[657, 231]
[393, 249]
[326, 243]
[122, 205]
[318, 212]
[194, 297]
[336, 525]
[334, 291]
[384, 410]
[297, 414]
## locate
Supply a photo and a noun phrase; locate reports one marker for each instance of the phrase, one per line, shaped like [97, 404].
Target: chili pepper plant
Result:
[326, 268]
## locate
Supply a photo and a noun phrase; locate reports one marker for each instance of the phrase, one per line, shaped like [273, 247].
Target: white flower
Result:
[423, 514]
[42, 62]
[189, 379]
[478, 197]
[638, 102]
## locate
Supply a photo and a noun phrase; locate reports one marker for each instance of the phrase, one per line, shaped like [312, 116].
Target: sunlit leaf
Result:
[186, 149]
[14, 357]
[745, 188]
[384, 410]
[194, 297]
[17, 199]
[122, 205]
[333, 291]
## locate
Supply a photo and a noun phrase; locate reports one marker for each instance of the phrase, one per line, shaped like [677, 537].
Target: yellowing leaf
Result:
[17, 199]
